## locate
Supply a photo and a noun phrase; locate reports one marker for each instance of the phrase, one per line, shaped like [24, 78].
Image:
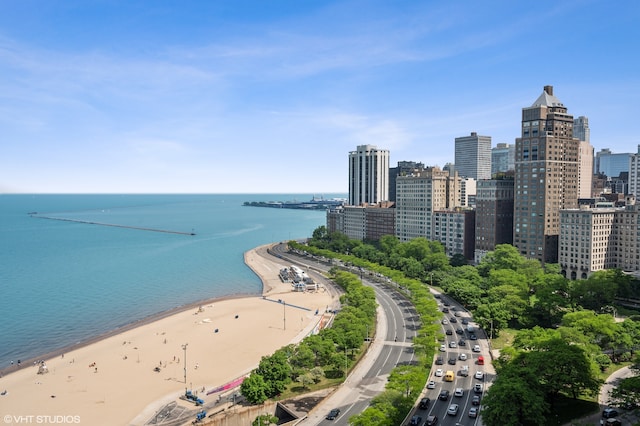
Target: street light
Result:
[284, 314]
[184, 347]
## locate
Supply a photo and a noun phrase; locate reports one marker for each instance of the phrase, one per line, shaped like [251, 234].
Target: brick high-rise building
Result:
[546, 176]
[494, 215]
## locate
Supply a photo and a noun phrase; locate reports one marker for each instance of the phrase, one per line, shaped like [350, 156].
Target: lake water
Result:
[62, 282]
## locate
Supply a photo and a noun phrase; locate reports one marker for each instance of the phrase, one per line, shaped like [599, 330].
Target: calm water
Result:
[62, 282]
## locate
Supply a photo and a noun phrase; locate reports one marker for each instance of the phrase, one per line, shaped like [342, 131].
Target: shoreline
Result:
[128, 374]
[120, 330]
[142, 321]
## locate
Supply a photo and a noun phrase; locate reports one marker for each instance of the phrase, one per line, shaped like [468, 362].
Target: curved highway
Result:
[392, 345]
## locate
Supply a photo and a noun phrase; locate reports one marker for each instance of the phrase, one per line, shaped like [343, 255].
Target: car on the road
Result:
[424, 403]
[475, 400]
[458, 392]
[457, 314]
[439, 372]
[449, 333]
[453, 345]
[333, 414]
[443, 348]
[462, 342]
[613, 422]
[462, 356]
[445, 310]
[459, 331]
[473, 412]
[431, 421]
[453, 410]
[464, 371]
[444, 395]
[465, 321]
[609, 413]
[431, 384]
[416, 421]
[477, 388]
[452, 360]
[444, 322]
[453, 320]
[439, 360]
[473, 337]
[479, 375]
[476, 348]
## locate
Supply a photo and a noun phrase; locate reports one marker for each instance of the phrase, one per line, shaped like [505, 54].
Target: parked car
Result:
[444, 322]
[477, 388]
[462, 356]
[479, 375]
[465, 321]
[613, 422]
[439, 360]
[443, 348]
[453, 410]
[473, 337]
[449, 332]
[424, 403]
[452, 360]
[333, 414]
[459, 331]
[609, 413]
[439, 372]
[453, 320]
[476, 348]
[462, 342]
[453, 345]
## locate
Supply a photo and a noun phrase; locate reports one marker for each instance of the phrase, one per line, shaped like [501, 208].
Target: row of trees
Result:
[326, 354]
[567, 330]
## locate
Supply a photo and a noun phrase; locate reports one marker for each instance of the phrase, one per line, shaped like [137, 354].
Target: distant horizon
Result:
[241, 97]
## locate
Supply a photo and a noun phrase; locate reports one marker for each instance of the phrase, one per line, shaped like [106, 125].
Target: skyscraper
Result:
[503, 158]
[473, 156]
[368, 175]
[581, 129]
[546, 176]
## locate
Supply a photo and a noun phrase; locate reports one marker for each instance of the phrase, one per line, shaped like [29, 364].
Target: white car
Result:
[445, 322]
[479, 375]
[431, 384]
[453, 410]
[462, 357]
[458, 392]
[476, 348]
[443, 348]
[439, 372]
[477, 388]
[453, 345]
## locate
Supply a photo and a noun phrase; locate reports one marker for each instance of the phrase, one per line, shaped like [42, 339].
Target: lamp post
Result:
[184, 348]
[284, 314]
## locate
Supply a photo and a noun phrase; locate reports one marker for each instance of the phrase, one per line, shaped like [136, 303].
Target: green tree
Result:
[254, 389]
[276, 372]
[514, 400]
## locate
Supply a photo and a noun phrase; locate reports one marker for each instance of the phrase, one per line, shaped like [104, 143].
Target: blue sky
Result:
[270, 96]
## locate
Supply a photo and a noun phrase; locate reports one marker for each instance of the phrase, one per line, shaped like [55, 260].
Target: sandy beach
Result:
[126, 378]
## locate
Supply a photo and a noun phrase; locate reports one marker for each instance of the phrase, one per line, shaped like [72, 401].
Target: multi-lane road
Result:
[456, 358]
[392, 345]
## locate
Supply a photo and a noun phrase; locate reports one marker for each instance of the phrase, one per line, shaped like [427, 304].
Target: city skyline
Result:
[249, 96]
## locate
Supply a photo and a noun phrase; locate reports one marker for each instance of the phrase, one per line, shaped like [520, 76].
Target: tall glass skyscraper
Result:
[473, 156]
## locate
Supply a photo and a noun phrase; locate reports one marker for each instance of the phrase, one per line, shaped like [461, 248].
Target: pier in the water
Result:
[90, 222]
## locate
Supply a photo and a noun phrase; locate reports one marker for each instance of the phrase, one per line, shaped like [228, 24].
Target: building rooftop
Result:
[547, 99]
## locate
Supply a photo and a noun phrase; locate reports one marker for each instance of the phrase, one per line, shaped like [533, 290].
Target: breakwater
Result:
[90, 222]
